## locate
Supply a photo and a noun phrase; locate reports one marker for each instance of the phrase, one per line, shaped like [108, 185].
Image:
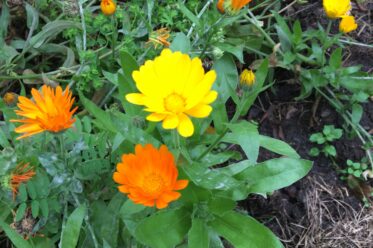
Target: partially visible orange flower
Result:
[108, 7]
[231, 6]
[21, 174]
[149, 176]
[159, 37]
[49, 111]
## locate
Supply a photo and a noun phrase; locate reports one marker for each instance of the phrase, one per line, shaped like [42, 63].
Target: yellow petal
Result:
[201, 90]
[210, 97]
[155, 117]
[170, 122]
[136, 98]
[200, 111]
[185, 128]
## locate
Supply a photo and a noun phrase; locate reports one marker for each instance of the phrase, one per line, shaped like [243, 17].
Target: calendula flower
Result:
[336, 8]
[149, 177]
[10, 98]
[174, 87]
[231, 6]
[49, 111]
[108, 7]
[159, 37]
[21, 174]
[347, 24]
[247, 77]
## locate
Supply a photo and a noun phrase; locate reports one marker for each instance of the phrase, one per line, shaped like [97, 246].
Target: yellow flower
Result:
[174, 87]
[231, 6]
[159, 37]
[347, 24]
[149, 176]
[108, 7]
[50, 111]
[336, 8]
[247, 77]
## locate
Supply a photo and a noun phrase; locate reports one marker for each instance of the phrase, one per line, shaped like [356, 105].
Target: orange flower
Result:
[231, 6]
[160, 37]
[149, 176]
[50, 111]
[21, 174]
[108, 7]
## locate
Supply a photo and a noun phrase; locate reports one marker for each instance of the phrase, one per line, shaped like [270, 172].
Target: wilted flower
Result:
[173, 87]
[21, 174]
[49, 111]
[347, 24]
[159, 37]
[336, 8]
[108, 7]
[231, 6]
[247, 77]
[149, 177]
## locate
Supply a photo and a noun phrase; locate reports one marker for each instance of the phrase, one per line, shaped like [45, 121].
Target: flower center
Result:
[174, 103]
[153, 184]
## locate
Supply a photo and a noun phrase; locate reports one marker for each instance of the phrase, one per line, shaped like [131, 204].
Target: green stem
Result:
[113, 36]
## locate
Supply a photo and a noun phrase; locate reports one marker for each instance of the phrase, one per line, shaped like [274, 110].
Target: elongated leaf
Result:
[246, 135]
[274, 174]
[164, 229]
[198, 236]
[70, 234]
[16, 239]
[277, 146]
[188, 13]
[227, 74]
[244, 231]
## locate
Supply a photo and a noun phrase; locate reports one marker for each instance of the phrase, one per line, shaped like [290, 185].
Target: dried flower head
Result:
[50, 111]
[10, 98]
[149, 177]
[159, 37]
[21, 174]
[173, 87]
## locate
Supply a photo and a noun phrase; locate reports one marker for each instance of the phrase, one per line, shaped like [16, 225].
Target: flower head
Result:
[10, 98]
[174, 87]
[108, 7]
[247, 77]
[336, 8]
[159, 37]
[231, 6]
[149, 176]
[50, 111]
[347, 24]
[21, 174]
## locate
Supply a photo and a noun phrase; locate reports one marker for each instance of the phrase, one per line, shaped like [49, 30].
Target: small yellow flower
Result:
[159, 37]
[231, 6]
[108, 7]
[247, 77]
[336, 8]
[347, 24]
[10, 98]
[174, 87]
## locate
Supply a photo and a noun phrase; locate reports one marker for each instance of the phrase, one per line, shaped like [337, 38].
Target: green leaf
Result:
[198, 236]
[277, 146]
[330, 150]
[35, 207]
[21, 211]
[188, 13]
[227, 76]
[44, 207]
[16, 239]
[335, 60]
[181, 43]
[22, 193]
[246, 135]
[274, 174]
[165, 229]
[314, 152]
[357, 113]
[221, 205]
[70, 233]
[244, 231]
[31, 190]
